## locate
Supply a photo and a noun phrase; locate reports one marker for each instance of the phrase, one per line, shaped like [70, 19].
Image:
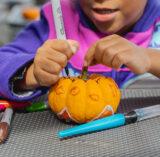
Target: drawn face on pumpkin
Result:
[76, 90]
[82, 101]
[113, 16]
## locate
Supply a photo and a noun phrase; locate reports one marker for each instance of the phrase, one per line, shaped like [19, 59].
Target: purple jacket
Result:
[23, 49]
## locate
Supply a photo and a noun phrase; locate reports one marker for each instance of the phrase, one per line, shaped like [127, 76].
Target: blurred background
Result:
[15, 14]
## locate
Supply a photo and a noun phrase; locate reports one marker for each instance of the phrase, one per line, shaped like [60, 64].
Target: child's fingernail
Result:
[74, 46]
[74, 49]
[85, 63]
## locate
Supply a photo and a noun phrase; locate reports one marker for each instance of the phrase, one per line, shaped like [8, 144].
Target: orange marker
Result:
[5, 123]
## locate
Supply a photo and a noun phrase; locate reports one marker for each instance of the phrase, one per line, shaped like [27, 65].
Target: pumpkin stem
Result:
[84, 73]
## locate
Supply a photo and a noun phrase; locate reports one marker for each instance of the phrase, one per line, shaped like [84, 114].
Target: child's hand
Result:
[49, 61]
[114, 51]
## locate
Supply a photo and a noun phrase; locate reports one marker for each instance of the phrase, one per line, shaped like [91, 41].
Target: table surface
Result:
[35, 134]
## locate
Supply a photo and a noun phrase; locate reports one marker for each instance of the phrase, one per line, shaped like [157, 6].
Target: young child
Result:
[103, 35]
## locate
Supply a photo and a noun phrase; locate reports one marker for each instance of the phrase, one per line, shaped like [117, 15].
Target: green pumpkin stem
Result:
[85, 73]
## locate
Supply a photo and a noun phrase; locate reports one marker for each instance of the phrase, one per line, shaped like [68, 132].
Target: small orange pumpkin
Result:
[81, 101]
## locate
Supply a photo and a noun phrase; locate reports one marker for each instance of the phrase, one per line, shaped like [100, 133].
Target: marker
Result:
[38, 106]
[5, 104]
[59, 24]
[113, 121]
[2, 107]
[5, 123]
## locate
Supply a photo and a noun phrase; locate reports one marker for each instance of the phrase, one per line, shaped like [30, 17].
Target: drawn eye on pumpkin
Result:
[94, 97]
[60, 90]
[74, 91]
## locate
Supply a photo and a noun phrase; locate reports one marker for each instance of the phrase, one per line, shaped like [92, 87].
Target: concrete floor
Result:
[7, 33]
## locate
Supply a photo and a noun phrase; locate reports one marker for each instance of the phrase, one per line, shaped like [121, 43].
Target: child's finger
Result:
[74, 46]
[56, 56]
[119, 60]
[96, 52]
[89, 57]
[106, 49]
[46, 79]
[52, 67]
[62, 46]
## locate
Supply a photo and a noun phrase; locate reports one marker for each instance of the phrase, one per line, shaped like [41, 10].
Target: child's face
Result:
[113, 16]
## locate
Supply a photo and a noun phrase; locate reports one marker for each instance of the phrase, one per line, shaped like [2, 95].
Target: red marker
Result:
[5, 104]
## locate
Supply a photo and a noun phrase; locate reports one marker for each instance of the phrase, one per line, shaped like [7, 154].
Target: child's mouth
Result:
[103, 14]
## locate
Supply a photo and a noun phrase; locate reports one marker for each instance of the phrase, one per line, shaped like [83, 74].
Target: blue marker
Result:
[113, 121]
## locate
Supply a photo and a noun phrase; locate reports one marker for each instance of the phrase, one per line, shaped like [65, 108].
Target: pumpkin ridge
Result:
[85, 81]
[85, 98]
[76, 100]
[66, 100]
[103, 93]
[95, 103]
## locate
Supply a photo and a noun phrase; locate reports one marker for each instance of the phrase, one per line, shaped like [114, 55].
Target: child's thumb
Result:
[74, 46]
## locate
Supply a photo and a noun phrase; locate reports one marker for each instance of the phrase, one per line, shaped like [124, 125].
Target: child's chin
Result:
[108, 30]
